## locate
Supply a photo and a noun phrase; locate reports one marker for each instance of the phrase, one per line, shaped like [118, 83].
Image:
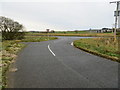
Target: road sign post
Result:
[48, 30]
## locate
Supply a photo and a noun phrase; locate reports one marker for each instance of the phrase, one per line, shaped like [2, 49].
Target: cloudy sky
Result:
[59, 14]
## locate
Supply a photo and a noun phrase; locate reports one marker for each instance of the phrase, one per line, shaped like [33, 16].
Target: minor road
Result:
[58, 64]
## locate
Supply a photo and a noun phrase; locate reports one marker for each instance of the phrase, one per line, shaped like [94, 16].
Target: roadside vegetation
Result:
[105, 47]
[11, 30]
[0, 63]
[10, 49]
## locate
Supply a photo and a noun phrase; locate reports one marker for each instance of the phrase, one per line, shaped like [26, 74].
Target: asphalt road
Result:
[57, 64]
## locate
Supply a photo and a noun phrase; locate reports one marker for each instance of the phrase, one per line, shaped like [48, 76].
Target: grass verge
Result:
[9, 50]
[105, 47]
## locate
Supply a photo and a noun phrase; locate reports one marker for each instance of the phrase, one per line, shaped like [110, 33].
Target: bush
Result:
[11, 29]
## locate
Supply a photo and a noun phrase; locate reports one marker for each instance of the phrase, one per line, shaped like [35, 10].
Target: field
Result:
[37, 38]
[82, 34]
[105, 47]
[10, 48]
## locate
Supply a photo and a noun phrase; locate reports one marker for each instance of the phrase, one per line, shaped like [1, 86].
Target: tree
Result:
[52, 31]
[11, 29]
[76, 31]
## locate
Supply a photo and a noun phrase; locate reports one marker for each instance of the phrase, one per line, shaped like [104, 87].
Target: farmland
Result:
[81, 34]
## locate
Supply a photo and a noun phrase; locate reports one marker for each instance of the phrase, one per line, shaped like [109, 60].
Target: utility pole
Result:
[116, 17]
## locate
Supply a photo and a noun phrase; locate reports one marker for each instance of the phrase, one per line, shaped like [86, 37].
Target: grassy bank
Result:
[9, 50]
[105, 47]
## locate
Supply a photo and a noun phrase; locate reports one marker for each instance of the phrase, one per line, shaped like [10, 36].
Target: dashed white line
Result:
[72, 43]
[51, 50]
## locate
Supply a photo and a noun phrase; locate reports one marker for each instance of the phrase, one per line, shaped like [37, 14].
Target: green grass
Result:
[105, 47]
[10, 48]
[37, 38]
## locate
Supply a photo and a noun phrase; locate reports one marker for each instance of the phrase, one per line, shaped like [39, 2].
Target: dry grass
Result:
[9, 53]
[71, 34]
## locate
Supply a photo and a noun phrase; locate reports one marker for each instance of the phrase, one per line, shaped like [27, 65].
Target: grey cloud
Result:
[70, 16]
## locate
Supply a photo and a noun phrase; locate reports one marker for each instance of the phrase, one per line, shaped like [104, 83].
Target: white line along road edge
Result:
[51, 50]
[72, 43]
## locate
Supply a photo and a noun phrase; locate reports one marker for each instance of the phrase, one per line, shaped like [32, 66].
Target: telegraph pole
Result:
[116, 17]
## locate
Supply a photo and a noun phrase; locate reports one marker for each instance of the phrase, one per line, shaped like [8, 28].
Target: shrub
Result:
[10, 29]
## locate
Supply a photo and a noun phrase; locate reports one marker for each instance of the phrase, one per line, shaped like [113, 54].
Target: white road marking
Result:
[51, 50]
[72, 43]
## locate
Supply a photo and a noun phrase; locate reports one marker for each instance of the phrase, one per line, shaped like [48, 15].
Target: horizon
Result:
[61, 16]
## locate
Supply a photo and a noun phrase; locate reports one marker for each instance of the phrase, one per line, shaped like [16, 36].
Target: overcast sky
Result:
[60, 14]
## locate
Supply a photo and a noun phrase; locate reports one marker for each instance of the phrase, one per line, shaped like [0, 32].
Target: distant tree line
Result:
[11, 29]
